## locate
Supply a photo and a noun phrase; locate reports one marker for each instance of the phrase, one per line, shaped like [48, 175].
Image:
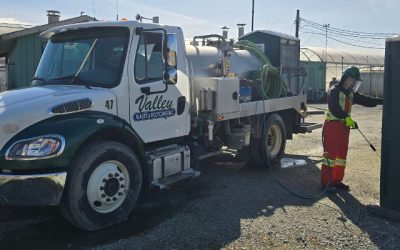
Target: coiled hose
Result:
[273, 86]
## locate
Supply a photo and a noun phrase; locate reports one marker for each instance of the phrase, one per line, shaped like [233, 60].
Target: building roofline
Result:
[41, 28]
[272, 33]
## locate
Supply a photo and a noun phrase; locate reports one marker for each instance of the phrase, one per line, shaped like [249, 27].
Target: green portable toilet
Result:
[390, 167]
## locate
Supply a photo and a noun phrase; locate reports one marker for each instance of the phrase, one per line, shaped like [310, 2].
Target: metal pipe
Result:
[210, 130]
[210, 100]
[203, 99]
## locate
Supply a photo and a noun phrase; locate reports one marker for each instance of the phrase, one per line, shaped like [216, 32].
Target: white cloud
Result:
[191, 25]
[147, 7]
[379, 5]
[10, 20]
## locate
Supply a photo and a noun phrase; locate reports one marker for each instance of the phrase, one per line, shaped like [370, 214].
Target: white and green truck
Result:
[116, 108]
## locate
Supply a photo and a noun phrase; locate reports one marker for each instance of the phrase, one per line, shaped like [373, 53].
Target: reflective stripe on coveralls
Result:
[340, 162]
[328, 162]
[331, 163]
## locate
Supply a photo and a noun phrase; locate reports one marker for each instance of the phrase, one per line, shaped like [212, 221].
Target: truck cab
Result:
[116, 108]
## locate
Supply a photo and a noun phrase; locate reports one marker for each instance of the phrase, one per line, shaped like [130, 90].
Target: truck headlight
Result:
[42, 147]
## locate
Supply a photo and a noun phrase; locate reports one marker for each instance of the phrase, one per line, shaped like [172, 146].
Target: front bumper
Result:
[32, 190]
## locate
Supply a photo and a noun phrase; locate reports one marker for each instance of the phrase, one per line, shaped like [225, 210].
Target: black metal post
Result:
[252, 17]
[297, 23]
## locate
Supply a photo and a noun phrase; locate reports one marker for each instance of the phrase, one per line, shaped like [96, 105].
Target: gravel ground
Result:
[234, 206]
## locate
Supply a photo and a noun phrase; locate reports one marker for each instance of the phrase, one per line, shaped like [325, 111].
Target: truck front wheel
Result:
[103, 185]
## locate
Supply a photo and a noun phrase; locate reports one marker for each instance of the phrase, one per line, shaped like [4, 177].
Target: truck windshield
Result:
[92, 56]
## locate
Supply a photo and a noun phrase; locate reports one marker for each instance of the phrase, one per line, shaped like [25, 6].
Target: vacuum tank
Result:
[221, 71]
[210, 61]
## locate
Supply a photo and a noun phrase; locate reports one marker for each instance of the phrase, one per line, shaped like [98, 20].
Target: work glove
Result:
[349, 122]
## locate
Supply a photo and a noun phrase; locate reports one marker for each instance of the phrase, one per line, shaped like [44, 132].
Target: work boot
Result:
[342, 186]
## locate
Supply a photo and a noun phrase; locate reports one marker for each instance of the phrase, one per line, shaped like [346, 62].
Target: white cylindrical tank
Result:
[206, 61]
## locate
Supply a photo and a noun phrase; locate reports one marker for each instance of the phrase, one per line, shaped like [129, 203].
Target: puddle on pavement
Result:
[290, 162]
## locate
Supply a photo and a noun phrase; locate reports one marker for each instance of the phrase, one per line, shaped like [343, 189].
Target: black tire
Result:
[251, 154]
[243, 154]
[258, 146]
[90, 161]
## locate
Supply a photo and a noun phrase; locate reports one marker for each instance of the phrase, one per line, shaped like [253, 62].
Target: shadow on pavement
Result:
[383, 233]
[205, 212]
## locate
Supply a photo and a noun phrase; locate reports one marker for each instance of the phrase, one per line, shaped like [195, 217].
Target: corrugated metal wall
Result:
[23, 60]
[315, 80]
[372, 83]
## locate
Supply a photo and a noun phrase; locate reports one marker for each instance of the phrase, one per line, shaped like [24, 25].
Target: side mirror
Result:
[171, 76]
[171, 72]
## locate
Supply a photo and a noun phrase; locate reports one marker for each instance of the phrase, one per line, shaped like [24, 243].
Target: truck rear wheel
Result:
[272, 142]
[103, 185]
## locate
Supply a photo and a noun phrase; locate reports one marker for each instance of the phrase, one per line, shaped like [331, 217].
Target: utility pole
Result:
[94, 10]
[252, 17]
[342, 64]
[297, 23]
[117, 10]
[326, 26]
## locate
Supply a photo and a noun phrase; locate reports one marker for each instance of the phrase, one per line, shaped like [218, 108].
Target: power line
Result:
[350, 31]
[350, 39]
[320, 27]
[355, 45]
[340, 41]
[344, 35]
[348, 35]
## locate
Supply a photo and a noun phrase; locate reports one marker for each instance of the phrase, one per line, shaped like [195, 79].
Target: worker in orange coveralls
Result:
[336, 130]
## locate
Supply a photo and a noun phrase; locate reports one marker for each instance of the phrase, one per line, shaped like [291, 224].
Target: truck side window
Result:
[149, 58]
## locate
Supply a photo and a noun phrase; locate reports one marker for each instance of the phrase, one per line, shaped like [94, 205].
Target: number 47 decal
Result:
[109, 104]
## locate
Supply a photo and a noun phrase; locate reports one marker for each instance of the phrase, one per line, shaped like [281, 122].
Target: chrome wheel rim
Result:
[108, 186]
[274, 140]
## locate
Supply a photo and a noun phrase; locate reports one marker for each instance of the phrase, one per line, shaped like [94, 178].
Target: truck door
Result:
[159, 110]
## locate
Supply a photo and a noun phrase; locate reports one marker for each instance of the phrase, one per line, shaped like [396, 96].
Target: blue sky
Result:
[208, 16]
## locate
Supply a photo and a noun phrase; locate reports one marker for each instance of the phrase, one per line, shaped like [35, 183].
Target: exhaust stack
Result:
[225, 32]
[240, 29]
[53, 16]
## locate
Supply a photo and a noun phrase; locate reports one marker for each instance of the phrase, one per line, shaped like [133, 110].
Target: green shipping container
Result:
[314, 80]
[23, 49]
[23, 60]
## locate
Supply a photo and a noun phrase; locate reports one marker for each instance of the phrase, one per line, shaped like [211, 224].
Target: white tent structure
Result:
[345, 57]
[335, 61]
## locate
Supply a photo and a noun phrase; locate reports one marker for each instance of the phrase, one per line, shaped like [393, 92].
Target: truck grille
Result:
[73, 106]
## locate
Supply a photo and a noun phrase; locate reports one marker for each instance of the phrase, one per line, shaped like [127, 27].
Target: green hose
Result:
[273, 86]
